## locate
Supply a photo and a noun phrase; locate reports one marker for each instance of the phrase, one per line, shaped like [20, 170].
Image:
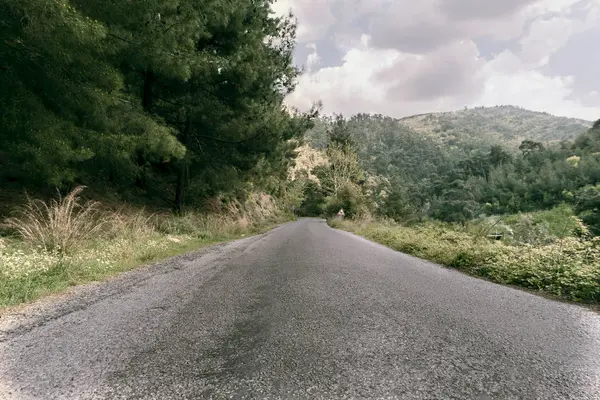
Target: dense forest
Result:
[395, 171]
[157, 102]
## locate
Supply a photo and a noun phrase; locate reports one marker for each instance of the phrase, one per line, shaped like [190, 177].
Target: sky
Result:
[406, 57]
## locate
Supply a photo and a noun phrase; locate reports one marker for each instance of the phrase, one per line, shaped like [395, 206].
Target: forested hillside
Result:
[412, 176]
[525, 215]
[501, 124]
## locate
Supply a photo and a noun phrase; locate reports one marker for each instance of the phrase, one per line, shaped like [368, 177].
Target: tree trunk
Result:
[183, 173]
[182, 176]
[149, 79]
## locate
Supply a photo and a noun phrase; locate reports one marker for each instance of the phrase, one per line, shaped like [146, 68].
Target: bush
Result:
[568, 267]
[588, 207]
[314, 200]
[526, 231]
[351, 199]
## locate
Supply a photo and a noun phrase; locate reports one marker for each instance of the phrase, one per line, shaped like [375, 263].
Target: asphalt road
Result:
[303, 312]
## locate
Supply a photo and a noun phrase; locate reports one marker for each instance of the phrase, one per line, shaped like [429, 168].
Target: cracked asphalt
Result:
[302, 312]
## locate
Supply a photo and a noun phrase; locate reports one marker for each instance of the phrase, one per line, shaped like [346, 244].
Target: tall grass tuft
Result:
[61, 225]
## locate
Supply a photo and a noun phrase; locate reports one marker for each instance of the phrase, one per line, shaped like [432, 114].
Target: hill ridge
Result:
[503, 106]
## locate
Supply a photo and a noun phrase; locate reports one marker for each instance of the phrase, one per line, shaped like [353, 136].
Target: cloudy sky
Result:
[404, 57]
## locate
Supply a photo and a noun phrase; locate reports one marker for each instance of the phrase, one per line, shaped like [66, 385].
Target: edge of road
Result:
[18, 319]
[591, 307]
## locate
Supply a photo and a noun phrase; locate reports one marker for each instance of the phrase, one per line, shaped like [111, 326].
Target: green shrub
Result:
[568, 267]
[351, 199]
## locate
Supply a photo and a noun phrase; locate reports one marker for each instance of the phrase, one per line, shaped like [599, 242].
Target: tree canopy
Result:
[174, 100]
[423, 178]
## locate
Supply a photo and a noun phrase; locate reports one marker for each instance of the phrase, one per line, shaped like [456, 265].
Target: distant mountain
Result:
[506, 124]
[424, 147]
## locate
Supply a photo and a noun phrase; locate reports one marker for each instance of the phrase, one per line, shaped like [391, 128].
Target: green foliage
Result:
[343, 169]
[168, 100]
[314, 200]
[568, 268]
[459, 180]
[528, 231]
[64, 109]
[589, 141]
[339, 133]
[350, 198]
[397, 205]
[588, 206]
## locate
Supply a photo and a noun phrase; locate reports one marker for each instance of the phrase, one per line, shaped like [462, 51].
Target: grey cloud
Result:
[451, 71]
[579, 58]
[481, 9]
[417, 37]
[411, 27]
[315, 19]
[329, 54]
[489, 47]
[319, 18]
[448, 79]
[422, 26]
[301, 54]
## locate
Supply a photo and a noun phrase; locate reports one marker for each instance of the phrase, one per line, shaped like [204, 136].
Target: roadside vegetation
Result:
[50, 246]
[566, 265]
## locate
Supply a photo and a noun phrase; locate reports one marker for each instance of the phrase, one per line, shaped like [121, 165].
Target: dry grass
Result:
[60, 225]
[68, 241]
[130, 222]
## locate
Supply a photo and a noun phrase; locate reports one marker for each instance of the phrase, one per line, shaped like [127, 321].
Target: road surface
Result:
[302, 312]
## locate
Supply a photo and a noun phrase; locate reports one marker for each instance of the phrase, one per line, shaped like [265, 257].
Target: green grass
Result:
[559, 221]
[38, 259]
[568, 268]
[67, 272]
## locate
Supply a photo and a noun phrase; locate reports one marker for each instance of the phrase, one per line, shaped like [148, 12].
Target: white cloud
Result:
[532, 90]
[349, 87]
[412, 57]
[544, 38]
[451, 71]
[551, 7]
[314, 17]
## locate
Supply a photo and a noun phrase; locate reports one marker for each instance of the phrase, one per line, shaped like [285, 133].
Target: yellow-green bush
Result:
[568, 267]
